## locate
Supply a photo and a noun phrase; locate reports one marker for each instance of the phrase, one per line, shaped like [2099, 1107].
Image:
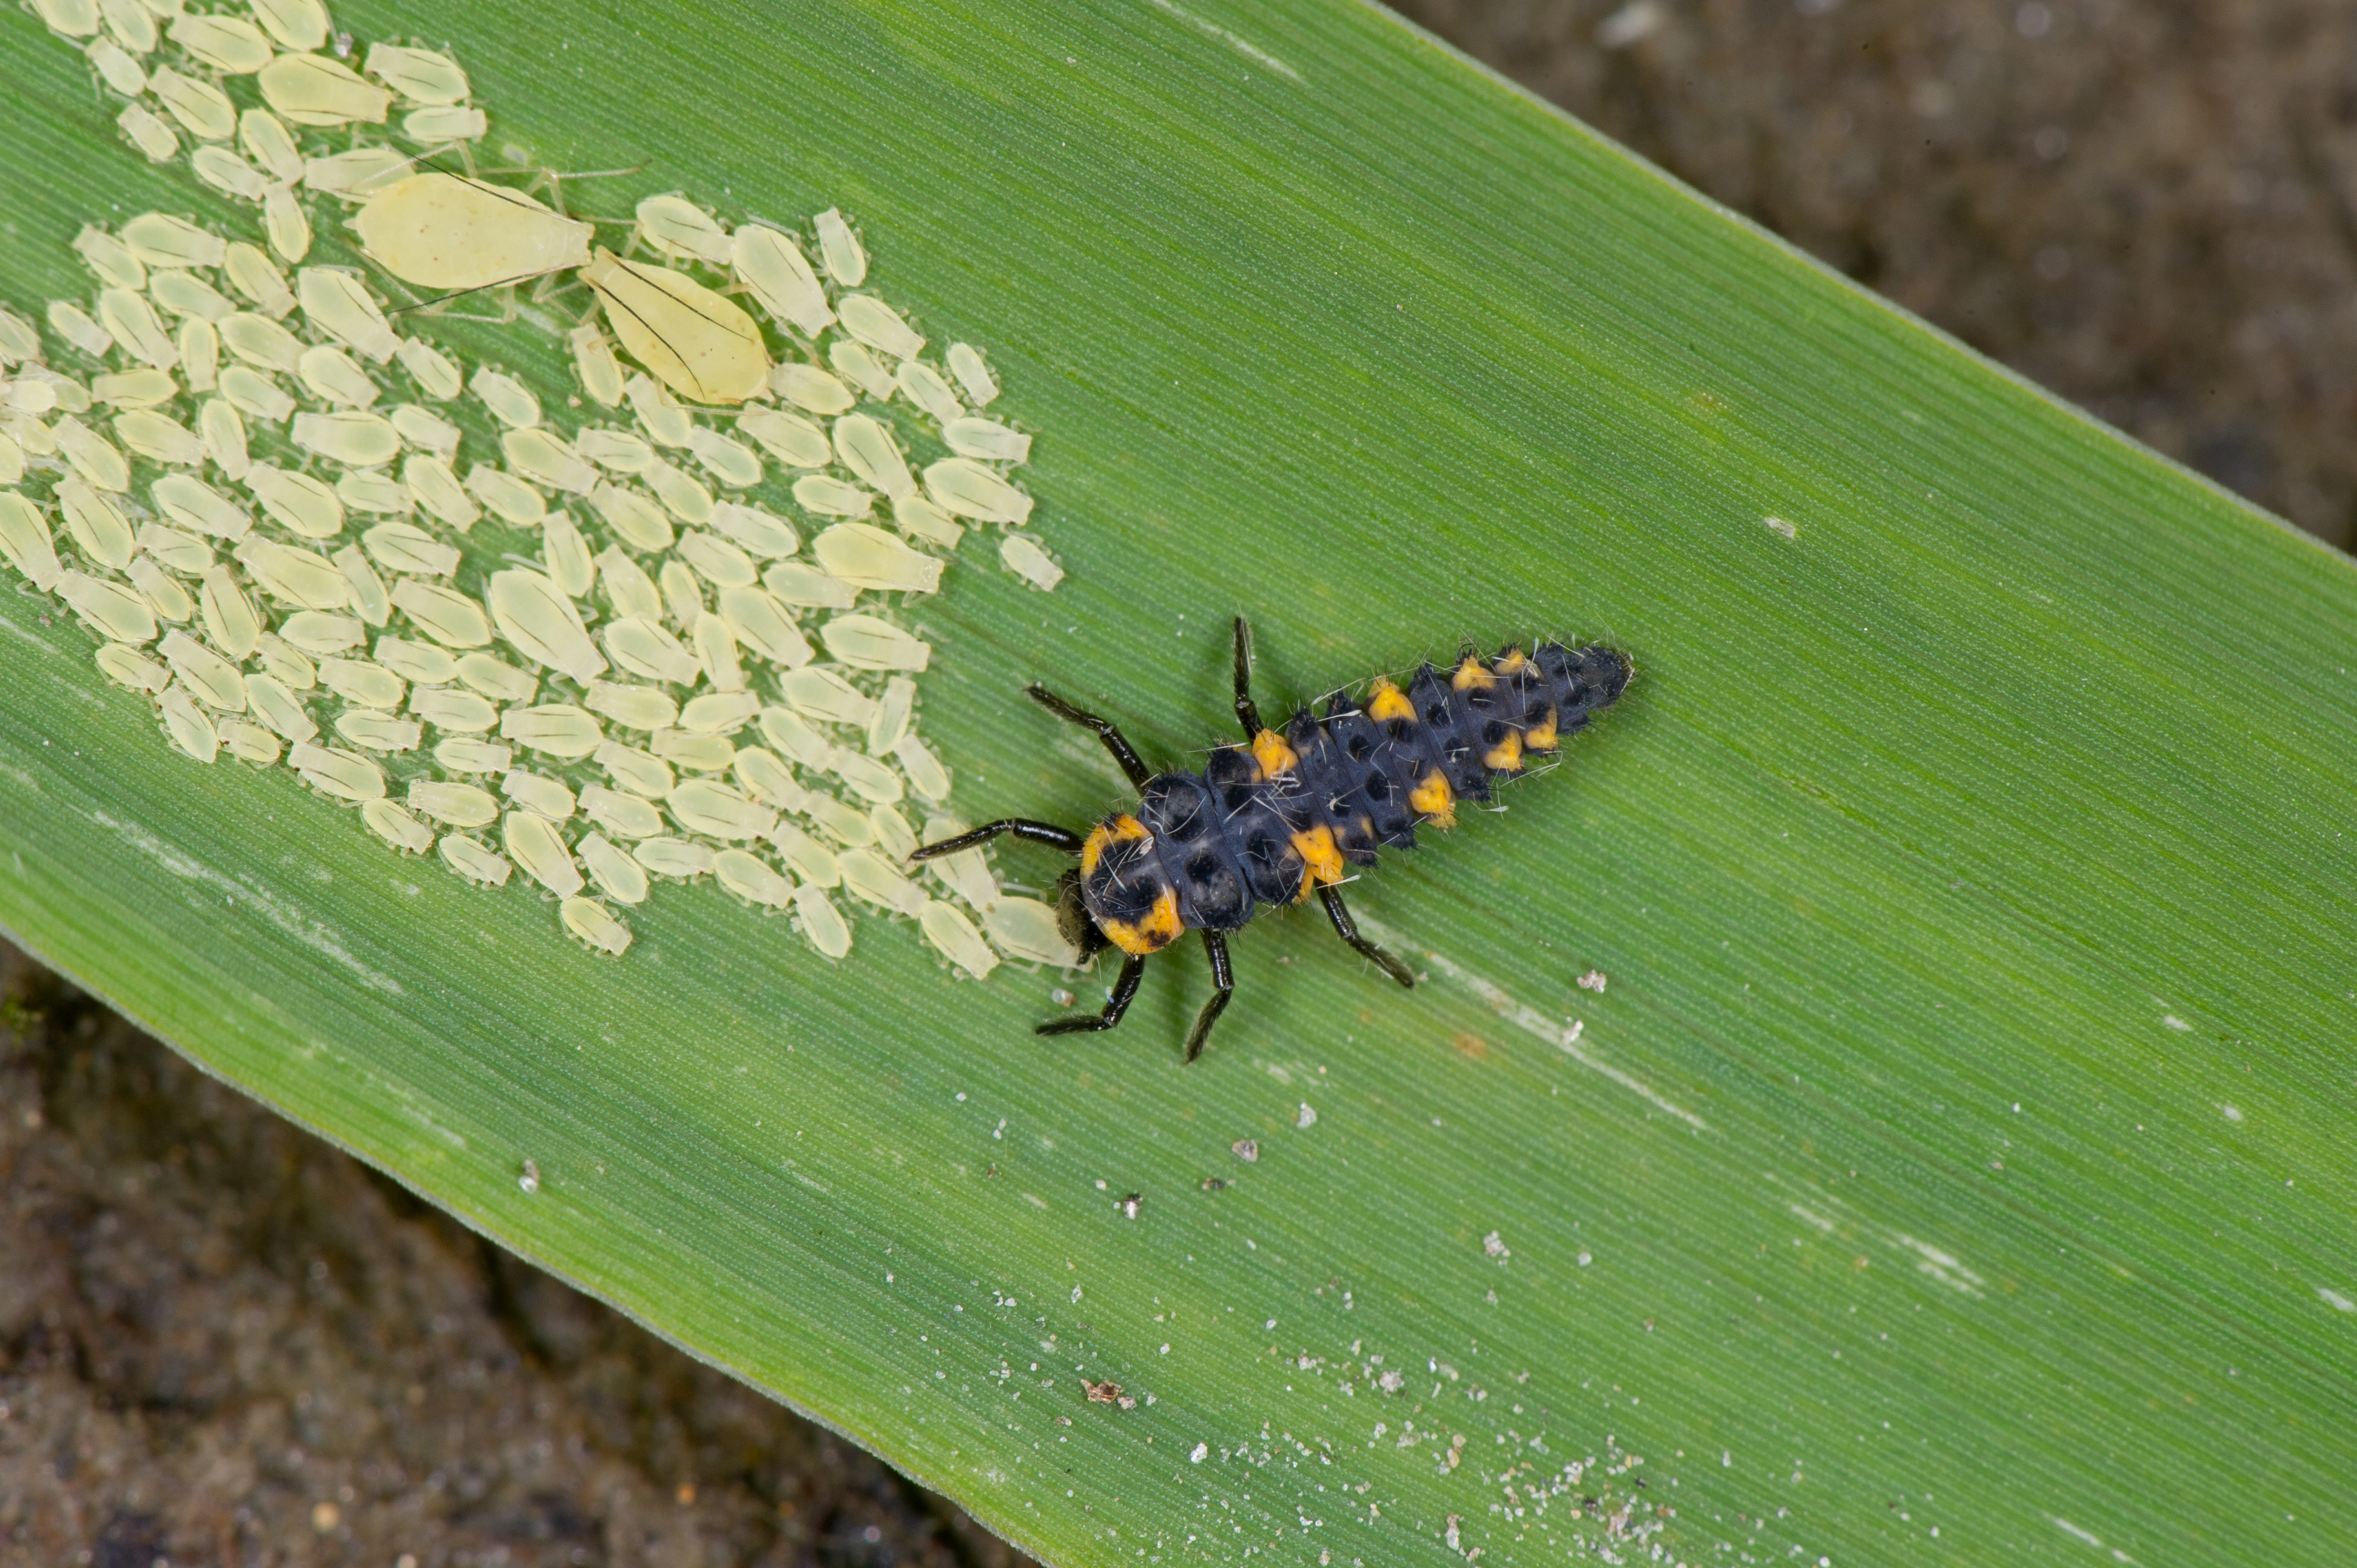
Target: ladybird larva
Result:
[592, 923]
[955, 936]
[753, 879]
[610, 866]
[534, 843]
[821, 924]
[538, 792]
[396, 826]
[472, 860]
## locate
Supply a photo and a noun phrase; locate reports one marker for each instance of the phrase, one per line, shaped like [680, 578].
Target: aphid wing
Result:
[695, 342]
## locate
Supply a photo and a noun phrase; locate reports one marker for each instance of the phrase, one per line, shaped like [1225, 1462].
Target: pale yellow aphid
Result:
[839, 247]
[252, 275]
[148, 132]
[590, 922]
[203, 110]
[472, 861]
[869, 779]
[465, 754]
[538, 792]
[628, 589]
[214, 681]
[812, 860]
[510, 402]
[355, 176]
[667, 422]
[73, 324]
[830, 497]
[775, 269]
[24, 540]
[716, 560]
[180, 551]
[1023, 555]
[312, 90]
[229, 174]
[632, 707]
[926, 774]
[810, 587]
[259, 341]
[126, 668]
[362, 440]
[12, 459]
[867, 557]
[506, 496]
[160, 590]
[282, 662]
[542, 456]
[439, 491]
[300, 577]
[731, 462]
[337, 303]
[185, 294]
[447, 616]
[987, 439]
[685, 499]
[866, 448]
[254, 393]
[299, 25]
[396, 827]
[162, 242]
[96, 524]
[91, 455]
[456, 805]
[333, 770]
[868, 874]
[364, 682]
[565, 555]
[536, 616]
[841, 822]
[715, 650]
[755, 530]
[646, 649]
[334, 376]
[1028, 929]
[610, 866]
[118, 67]
[373, 490]
[955, 935]
[422, 76]
[967, 873]
[133, 388]
[186, 726]
[677, 226]
[922, 385]
[321, 632]
[790, 438]
[267, 142]
[230, 618]
[864, 642]
[285, 224]
[759, 620]
[418, 661]
[557, 729]
[764, 778]
[230, 45]
[379, 732]
[109, 258]
[76, 18]
[963, 488]
[617, 450]
[594, 362]
[461, 712]
[434, 375]
[718, 713]
[696, 753]
[808, 387]
[200, 355]
[639, 521]
[892, 832]
[250, 742]
[401, 547]
[753, 879]
[784, 729]
[709, 807]
[861, 368]
[673, 856]
[424, 429]
[880, 327]
[19, 341]
[821, 923]
[629, 816]
[972, 372]
[695, 341]
[682, 594]
[817, 692]
[159, 438]
[496, 679]
[445, 124]
[893, 711]
[296, 500]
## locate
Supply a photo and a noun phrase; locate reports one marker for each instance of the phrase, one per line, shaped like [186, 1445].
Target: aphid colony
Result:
[1286, 813]
[582, 654]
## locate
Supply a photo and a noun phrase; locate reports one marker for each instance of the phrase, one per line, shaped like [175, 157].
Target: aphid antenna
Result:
[460, 294]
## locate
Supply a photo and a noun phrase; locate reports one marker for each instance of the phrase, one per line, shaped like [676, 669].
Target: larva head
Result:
[1123, 889]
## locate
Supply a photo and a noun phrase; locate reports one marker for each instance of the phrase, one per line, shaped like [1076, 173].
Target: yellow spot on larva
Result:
[1387, 702]
[1506, 757]
[1120, 829]
[1157, 929]
[1435, 799]
[1320, 860]
[1276, 757]
[1470, 676]
[1541, 736]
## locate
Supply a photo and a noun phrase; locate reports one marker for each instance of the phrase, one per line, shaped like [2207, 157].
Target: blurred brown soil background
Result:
[223, 1343]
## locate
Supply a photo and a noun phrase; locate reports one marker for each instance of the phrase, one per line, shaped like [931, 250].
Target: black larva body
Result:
[1271, 822]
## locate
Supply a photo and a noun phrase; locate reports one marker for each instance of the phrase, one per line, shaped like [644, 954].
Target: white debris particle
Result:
[1306, 1117]
[1197, 1454]
[1496, 1247]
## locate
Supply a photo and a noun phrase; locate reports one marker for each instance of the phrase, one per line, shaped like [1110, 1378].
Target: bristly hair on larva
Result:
[233, 461]
[1286, 814]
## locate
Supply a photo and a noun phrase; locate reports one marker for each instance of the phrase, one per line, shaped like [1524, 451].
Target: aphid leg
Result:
[1247, 711]
[1123, 752]
[1348, 929]
[1048, 833]
[1133, 968]
[1223, 982]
